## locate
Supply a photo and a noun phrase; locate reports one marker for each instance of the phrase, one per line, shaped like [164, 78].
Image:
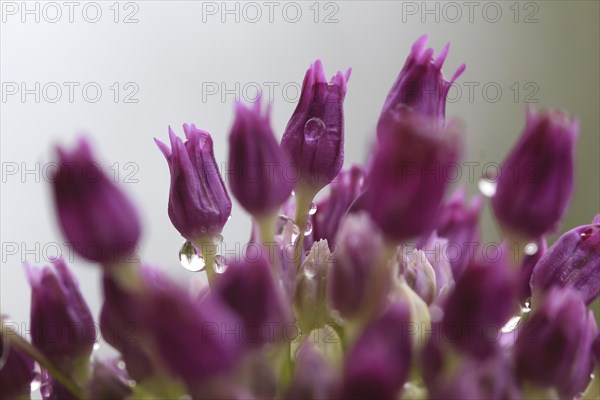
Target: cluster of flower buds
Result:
[356, 310]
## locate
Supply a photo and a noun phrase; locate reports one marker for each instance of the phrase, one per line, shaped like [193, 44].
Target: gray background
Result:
[175, 50]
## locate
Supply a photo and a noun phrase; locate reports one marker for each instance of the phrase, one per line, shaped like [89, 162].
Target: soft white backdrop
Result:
[176, 50]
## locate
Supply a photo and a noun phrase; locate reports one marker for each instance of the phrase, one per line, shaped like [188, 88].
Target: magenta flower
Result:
[536, 180]
[96, 217]
[259, 166]
[573, 260]
[405, 184]
[198, 201]
[62, 326]
[420, 87]
[314, 136]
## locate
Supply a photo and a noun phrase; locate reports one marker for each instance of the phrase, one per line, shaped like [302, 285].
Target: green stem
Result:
[44, 363]
[303, 201]
[266, 228]
[208, 251]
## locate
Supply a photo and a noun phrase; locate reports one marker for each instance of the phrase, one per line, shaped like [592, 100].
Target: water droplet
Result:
[314, 129]
[228, 218]
[121, 364]
[131, 383]
[220, 264]
[218, 239]
[511, 325]
[588, 233]
[308, 230]
[190, 258]
[96, 347]
[487, 187]
[36, 384]
[313, 209]
[530, 249]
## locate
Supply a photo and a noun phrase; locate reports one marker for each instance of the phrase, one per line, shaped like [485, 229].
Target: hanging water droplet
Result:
[121, 364]
[96, 347]
[487, 187]
[313, 209]
[218, 239]
[287, 229]
[530, 249]
[190, 258]
[220, 264]
[314, 129]
[36, 384]
[511, 325]
[131, 383]
[308, 230]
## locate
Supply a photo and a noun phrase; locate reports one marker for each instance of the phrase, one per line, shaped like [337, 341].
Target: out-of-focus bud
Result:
[192, 340]
[459, 223]
[314, 136]
[378, 364]
[314, 377]
[553, 348]
[16, 370]
[481, 303]
[198, 201]
[258, 164]
[357, 281]
[96, 217]
[420, 86]
[108, 381]
[573, 260]
[330, 211]
[419, 274]
[406, 183]
[249, 290]
[435, 250]
[58, 306]
[310, 304]
[536, 182]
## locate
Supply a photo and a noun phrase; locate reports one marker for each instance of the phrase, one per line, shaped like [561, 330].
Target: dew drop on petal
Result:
[313, 209]
[190, 258]
[121, 364]
[314, 129]
[218, 239]
[511, 325]
[36, 384]
[530, 249]
[220, 264]
[487, 187]
[308, 230]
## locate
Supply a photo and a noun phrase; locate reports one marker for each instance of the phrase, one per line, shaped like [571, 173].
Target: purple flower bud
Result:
[406, 183]
[419, 275]
[62, 326]
[193, 340]
[420, 86]
[355, 284]
[536, 182]
[435, 250]
[198, 201]
[378, 364]
[51, 389]
[94, 214]
[247, 287]
[573, 260]
[481, 303]
[259, 165]
[553, 348]
[16, 370]
[108, 381]
[459, 223]
[314, 136]
[330, 211]
[314, 376]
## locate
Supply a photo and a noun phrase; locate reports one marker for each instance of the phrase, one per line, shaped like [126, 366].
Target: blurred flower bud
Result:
[62, 326]
[553, 348]
[314, 377]
[573, 260]
[406, 183]
[536, 182]
[198, 201]
[95, 216]
[378, 364]
[419, 274]
[108, 381]
[314, 136]
[357, 281]
[258, 164]
[16, 370]
[310, 304]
